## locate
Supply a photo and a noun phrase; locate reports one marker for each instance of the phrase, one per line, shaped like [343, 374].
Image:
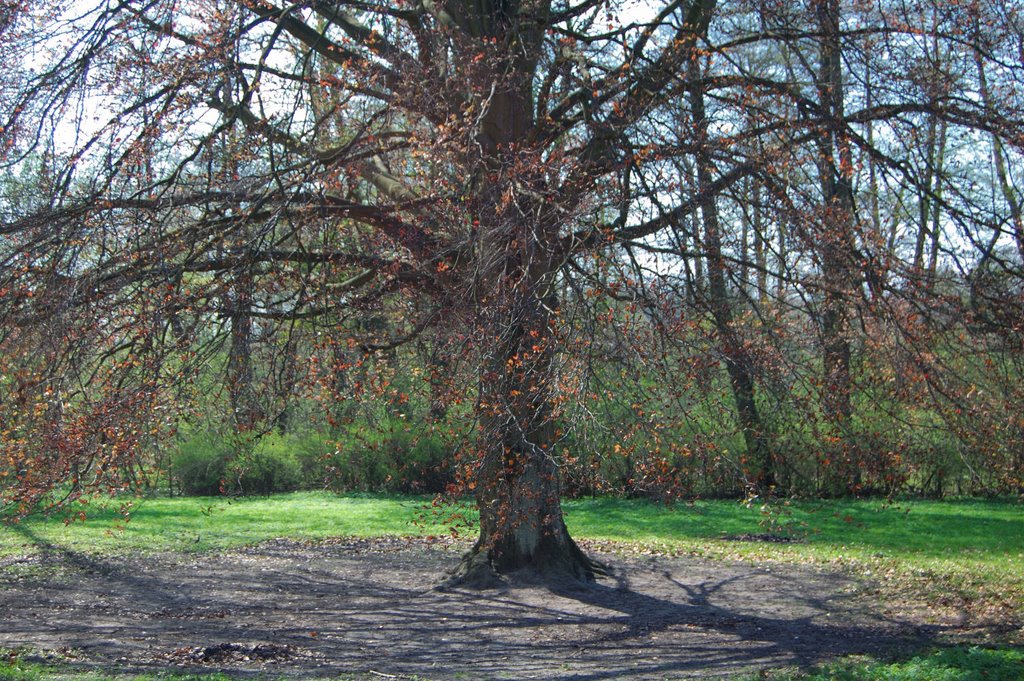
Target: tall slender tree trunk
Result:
[245, 409]
[246, 412]
[783, 256]
[438, 365]
[287, 377]
[745, 283]
[936, 205]
[698, 284]
[737, 361]
[760, 258]
[837, 242]
[929, 206]
[925, 195]
[1013, 200]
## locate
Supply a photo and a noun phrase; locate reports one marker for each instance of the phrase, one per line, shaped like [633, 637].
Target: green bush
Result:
[422, 463]
[392, 458]
[208, 463]
[266, 466]
[200, 464]
[314, 452]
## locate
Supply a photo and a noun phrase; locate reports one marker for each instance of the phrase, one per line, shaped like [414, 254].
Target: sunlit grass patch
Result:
[13, 667]
[193, 524]
[962, 555]
[923, 534]
[19, 666]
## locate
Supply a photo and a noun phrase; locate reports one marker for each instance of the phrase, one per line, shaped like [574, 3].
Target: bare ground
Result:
[369, 608]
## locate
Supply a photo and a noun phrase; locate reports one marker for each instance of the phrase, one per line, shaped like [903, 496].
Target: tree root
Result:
[475, 571]
[479, 571]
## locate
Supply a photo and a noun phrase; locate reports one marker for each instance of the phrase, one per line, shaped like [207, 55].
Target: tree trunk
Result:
[760, 259]
[517, 480]
[245, 408]
[521, 522]
[438, 365]
[782, 272]
[925, 195]
[836, 169]
[745, 283]
[936, 204]
[286, 378]
[1013, 201]
[737, 361]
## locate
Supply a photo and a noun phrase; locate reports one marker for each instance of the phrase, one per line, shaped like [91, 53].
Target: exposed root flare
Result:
[594, 568]
[474, 572]
[553, 563]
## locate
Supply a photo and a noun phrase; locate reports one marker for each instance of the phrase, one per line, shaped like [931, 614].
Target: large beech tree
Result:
[213, 166]
[460, 151]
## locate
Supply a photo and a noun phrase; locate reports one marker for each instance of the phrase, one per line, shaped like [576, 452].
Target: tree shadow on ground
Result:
[364, 606]
[810, 627]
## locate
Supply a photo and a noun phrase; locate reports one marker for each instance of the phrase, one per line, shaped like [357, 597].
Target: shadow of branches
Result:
[356, 607]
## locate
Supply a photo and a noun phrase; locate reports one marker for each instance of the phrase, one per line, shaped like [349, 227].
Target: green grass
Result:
[14, 668]
[948, 664]
[969, 550]
[193, 524]
[21, 671]
[922, 533]
[965, 556]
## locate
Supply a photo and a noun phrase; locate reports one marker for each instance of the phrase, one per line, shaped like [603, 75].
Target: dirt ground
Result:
[368, 608]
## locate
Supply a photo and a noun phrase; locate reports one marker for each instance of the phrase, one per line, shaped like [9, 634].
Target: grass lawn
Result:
[193, 524]
[970, 539]
[920, 533]
[969, 550]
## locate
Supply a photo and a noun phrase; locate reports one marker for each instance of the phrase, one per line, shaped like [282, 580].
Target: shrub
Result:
[314, 453]
[209, 463]
[266, 466]
[199, 465]
[392, 458]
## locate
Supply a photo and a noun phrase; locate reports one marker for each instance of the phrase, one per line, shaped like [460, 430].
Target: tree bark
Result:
[1006, 187]
[245, 408]
[936, 205]
[924, 198]
[517, 481]
[760, 258]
